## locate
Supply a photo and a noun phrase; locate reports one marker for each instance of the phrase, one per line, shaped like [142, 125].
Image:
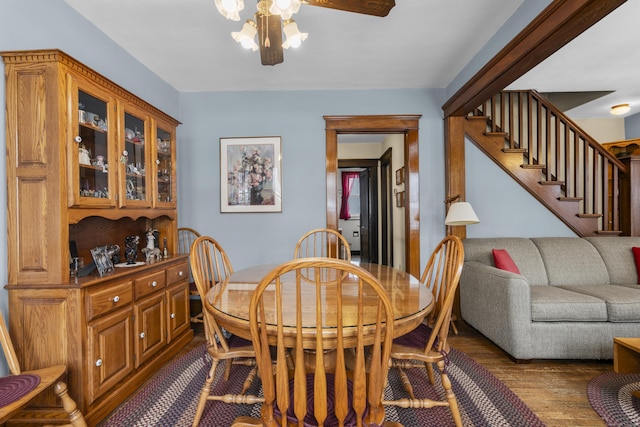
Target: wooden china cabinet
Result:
[89, 163]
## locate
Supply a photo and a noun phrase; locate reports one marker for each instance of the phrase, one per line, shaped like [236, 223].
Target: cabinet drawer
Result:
[150, 283]
[177, 273]
[105, 299]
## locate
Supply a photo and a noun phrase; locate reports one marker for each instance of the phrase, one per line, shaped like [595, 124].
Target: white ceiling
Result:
[420, 44]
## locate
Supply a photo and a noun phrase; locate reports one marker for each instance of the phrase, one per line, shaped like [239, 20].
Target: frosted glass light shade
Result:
[230, 9]
[285, 8]
[294, 36]
[246, 36]
[461, 213]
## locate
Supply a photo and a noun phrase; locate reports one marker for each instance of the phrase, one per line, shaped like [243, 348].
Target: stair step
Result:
[502, 134]
[515, 150]
[609, 232]
[551, 182]
[477, 118]
[528, 166]
[588, 215]
[570, 199]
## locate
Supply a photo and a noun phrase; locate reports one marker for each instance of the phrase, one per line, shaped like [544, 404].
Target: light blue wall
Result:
[296, 116]
[504, 208]
[632, 126]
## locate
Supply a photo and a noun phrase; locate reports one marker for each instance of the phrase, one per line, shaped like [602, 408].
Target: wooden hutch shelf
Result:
[89, 162]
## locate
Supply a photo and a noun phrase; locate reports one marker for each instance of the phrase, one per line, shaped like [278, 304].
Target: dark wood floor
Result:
[555, 390]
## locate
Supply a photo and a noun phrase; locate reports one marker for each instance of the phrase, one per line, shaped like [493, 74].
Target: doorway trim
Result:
[406, 124]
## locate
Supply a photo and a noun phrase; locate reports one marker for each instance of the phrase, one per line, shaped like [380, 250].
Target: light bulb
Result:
[294, 42]
[283, 4]
[229, 5]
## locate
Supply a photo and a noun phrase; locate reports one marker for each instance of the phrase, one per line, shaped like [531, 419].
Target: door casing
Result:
[406, 124]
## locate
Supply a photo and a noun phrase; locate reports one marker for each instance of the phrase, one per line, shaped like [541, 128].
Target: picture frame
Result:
[400, 199]
[400, 176]
[101, 260]
[250, 174]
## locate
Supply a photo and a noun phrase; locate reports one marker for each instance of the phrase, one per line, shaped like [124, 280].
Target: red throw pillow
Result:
[503, 261]
[636, 257]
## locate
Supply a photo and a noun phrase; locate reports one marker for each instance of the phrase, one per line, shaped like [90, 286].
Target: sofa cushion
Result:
[553, 304]
[571, 261]
[522, 250]
[623, 303]
[618, 257]
[636, 258]
[503, 261]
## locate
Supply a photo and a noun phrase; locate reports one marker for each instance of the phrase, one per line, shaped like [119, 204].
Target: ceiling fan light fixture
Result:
[294, 36]
[619, 109]
[285, 8]
[246, 36]
[230, 9]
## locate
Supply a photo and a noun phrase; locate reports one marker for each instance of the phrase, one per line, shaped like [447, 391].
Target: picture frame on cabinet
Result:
[250, 174]
[102, 260]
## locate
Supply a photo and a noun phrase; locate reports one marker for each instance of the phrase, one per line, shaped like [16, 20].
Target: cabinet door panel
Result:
[151, 334]
[92, 163]
[178, 314]
[110, 357]
[135, 188]
[165, 168]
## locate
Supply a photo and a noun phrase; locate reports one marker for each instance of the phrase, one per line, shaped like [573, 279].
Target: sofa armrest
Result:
[498, 304]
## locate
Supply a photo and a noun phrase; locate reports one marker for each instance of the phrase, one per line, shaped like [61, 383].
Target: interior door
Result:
[369, 216]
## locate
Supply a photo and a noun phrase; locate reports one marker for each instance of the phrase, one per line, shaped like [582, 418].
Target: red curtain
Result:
[347, 183]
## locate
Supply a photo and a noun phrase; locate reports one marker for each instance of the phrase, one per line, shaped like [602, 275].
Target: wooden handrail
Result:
[564, 153]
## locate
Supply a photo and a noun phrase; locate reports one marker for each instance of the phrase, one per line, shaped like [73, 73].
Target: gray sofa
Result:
[571, 298]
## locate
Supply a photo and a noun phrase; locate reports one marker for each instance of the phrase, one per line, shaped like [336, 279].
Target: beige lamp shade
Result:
[461, 213]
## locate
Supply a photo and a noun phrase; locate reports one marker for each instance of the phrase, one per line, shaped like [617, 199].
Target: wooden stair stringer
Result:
[529, 178]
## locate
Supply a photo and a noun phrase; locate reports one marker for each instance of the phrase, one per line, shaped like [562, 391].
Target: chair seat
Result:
[309, 419]
[13, 387]
[417, 338]
[235, 341]
[193, 289]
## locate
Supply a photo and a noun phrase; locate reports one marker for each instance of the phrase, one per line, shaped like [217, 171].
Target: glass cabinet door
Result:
[165, 182]
[92, 184]
[135, 190]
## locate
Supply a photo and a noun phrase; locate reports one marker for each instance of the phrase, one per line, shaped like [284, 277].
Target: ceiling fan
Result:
[274, 16]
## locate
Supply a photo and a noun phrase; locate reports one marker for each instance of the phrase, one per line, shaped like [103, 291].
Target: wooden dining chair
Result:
[19, 388]
[339, 383]
[186, 237]
[210, 266]
[323, 242]
[428, 342]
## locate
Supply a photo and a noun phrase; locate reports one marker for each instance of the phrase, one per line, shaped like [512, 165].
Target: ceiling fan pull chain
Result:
[267, 43]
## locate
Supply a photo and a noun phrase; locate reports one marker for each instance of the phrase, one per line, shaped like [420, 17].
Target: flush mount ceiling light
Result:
[273, 17]
[619, 109]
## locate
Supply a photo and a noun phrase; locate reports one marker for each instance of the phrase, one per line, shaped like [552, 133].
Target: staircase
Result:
[551, 157]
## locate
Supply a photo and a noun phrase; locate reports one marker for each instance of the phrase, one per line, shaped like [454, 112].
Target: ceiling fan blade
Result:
[270, 39]
[367, 7]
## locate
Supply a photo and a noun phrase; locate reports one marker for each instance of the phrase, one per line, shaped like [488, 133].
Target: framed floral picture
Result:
[250, 174]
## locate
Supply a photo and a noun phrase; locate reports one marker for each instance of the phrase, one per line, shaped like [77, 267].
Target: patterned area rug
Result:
[170, 397]
[610, 396]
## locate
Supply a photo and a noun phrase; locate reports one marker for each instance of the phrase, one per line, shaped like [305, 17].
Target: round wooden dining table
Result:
[229, 300]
